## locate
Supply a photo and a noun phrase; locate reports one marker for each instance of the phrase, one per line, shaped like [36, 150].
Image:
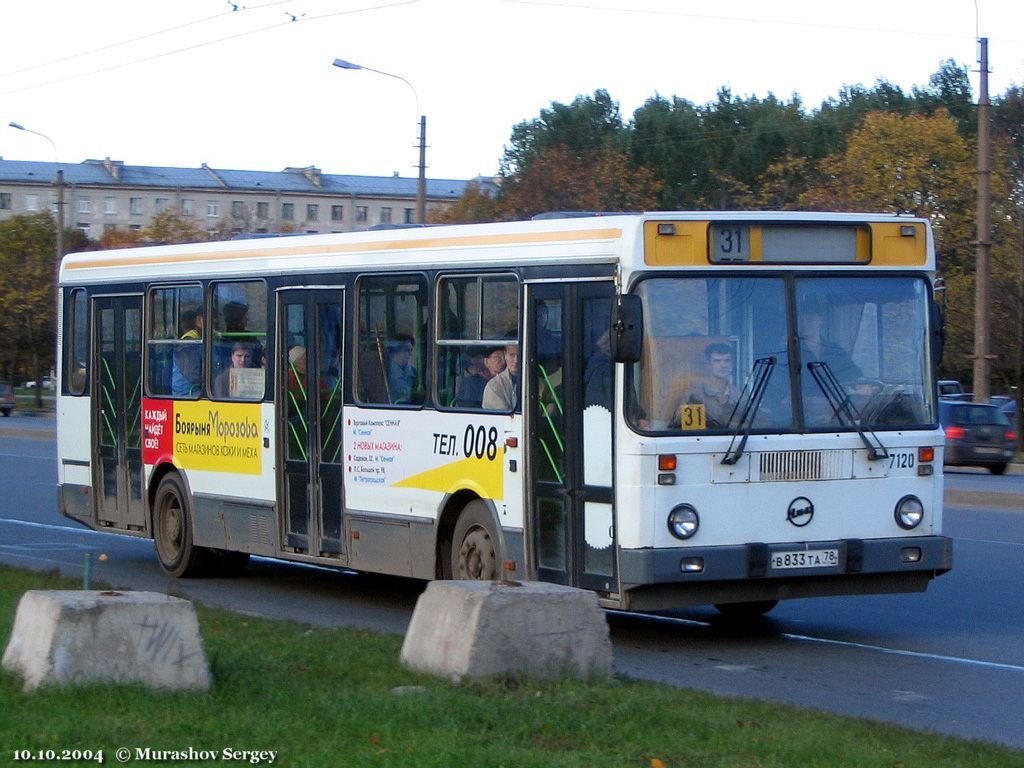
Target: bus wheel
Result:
[475, 553]
[172, 530]
[745, 611]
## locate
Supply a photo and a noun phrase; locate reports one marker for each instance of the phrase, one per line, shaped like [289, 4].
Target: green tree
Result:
[171, 226]
[28, 279]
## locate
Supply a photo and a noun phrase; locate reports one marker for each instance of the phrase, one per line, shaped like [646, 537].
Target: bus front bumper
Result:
[655, 579]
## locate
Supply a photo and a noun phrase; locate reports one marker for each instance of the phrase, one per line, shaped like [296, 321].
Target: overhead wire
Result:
[176, 51]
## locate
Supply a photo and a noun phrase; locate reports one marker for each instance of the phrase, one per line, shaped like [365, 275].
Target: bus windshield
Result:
[782, 354]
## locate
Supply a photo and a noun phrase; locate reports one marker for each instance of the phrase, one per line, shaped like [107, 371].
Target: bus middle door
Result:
[309, 398]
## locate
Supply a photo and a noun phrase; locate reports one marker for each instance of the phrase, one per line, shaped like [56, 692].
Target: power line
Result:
[158, 33]
[745, 19]
[176, 51]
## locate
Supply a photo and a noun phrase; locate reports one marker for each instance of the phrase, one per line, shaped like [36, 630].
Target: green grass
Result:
[324, 697]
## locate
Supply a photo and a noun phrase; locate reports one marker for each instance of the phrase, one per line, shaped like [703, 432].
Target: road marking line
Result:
[841, 643]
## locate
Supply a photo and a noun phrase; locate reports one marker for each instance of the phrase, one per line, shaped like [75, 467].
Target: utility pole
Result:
[421, 183]
[60, 217]
[982, 268]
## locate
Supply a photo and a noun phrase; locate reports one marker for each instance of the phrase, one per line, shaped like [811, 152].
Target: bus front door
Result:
[117, 412]
[570, 385]
[309, 399]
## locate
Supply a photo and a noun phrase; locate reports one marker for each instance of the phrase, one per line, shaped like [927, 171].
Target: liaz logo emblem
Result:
[800, 512]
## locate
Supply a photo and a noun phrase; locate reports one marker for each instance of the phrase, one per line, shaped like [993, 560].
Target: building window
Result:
[288, 211]
[313, 212]
[84, 205]
[410, 215]
[337, 213]
[362, 213]
[5, 201]
[135, 227]
[109, 206]
[262, 210]
[110, 227]
[31, 202]
[83, 227]
[160, 205]
[187, 208]
[212, 209]
[385, 215]
[236, 208]
[135, 206]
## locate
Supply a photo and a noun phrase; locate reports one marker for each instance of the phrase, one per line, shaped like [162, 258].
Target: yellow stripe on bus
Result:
[482, 476]
[389, 245]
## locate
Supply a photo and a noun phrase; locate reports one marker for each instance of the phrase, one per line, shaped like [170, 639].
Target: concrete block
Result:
[77, 638]
[474, 629]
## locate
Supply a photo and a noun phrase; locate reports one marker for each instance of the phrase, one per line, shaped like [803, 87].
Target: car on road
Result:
[1006, 404]
[951, 389]
[48, 383]
[977, 435]
[7, 399]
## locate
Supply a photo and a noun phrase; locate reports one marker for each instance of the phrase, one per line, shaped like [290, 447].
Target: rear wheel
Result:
[476, 553]
[172, 530]
[7, 411]
[997, 469]
[751, 610]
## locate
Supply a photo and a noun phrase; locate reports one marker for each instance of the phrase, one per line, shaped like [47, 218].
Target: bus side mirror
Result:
[627, 330]
[938, 324]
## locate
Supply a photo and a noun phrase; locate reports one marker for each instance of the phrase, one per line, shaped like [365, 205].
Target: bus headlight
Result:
[909, 513]
[683, 521]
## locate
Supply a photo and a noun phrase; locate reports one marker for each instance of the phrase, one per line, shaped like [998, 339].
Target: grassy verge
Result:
[322, 697]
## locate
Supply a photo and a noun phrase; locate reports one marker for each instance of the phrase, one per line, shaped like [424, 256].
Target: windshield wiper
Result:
[750, 400]
[844, 410]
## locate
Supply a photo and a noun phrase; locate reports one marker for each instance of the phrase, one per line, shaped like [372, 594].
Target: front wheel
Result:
[476, 551]
[172, 530]
[997, 469]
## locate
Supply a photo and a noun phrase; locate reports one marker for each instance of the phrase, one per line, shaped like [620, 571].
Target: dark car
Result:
[7, 399]
[977, 435]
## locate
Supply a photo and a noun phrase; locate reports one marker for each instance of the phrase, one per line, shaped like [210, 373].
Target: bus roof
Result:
[578, 240]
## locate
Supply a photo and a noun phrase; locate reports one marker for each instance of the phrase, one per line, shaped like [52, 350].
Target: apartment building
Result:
[103, 195]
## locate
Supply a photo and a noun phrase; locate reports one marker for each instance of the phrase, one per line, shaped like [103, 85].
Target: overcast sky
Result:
[186, 82]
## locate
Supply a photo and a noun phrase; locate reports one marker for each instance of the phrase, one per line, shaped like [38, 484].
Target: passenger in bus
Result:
[715, 391]
[297, 374]
[481, 369]
[502, 392]
[241, 357]
[187, 367]
[599, 374]
[401, 371]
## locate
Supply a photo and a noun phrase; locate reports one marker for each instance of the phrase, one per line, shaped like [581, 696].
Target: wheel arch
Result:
[451, 507]
[159, 473]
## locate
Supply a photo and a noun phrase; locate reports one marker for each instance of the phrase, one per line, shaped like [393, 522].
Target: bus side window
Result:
[174, 341]
[239, 336]
[477, 315]
[392, 314]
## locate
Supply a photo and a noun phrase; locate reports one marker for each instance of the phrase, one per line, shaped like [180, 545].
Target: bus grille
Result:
[802, 465]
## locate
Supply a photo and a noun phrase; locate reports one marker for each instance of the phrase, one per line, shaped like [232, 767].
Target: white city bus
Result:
[670, 409]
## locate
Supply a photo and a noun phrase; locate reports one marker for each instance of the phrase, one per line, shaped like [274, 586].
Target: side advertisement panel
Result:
[216, 437]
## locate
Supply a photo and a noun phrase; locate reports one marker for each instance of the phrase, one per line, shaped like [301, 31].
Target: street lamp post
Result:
[421, 184]
[59, 184]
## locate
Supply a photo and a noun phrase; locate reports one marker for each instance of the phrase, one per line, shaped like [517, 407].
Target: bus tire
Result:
[745, 611]
[476, 549]
[172, 530]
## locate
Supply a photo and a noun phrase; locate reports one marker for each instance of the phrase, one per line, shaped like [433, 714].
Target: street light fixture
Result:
[421, 184]
[59, 184]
